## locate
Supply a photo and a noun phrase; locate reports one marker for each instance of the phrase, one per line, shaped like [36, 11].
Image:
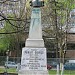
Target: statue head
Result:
[37, 3]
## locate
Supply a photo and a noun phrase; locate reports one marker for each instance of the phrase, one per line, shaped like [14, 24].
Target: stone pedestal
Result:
[35, 43]
[25, 72]
[34, 60]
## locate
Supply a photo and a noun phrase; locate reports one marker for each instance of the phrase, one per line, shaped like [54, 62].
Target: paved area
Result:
[1, 66]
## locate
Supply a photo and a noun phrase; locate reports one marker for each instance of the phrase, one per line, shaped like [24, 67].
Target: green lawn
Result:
[66, 72]
[11, 70]
[51, 72]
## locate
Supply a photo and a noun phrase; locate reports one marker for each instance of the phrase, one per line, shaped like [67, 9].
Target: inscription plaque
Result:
[33, 59]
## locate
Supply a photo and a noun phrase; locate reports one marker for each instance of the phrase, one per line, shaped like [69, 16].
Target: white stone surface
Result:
[34, 59]
[34, 43]
[25, 72]
[35, 31]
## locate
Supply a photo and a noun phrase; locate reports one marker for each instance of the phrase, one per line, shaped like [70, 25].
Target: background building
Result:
[70, 52]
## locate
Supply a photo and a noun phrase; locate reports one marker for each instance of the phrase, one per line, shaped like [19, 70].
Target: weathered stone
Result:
[34, 60]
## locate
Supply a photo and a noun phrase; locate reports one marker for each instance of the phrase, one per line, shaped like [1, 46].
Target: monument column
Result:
[34, 60]
[35, 32]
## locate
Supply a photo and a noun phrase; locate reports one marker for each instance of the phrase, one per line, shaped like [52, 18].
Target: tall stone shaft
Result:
[35, 32]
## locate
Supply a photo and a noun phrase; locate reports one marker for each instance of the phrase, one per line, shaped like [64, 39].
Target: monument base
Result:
[25, 72]
[33, 61]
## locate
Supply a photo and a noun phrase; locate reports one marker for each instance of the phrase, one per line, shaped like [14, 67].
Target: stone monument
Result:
[34, 60]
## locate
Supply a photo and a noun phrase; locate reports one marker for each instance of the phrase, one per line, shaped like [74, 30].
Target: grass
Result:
[66, 72]
[51, 72]
[11, 70]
